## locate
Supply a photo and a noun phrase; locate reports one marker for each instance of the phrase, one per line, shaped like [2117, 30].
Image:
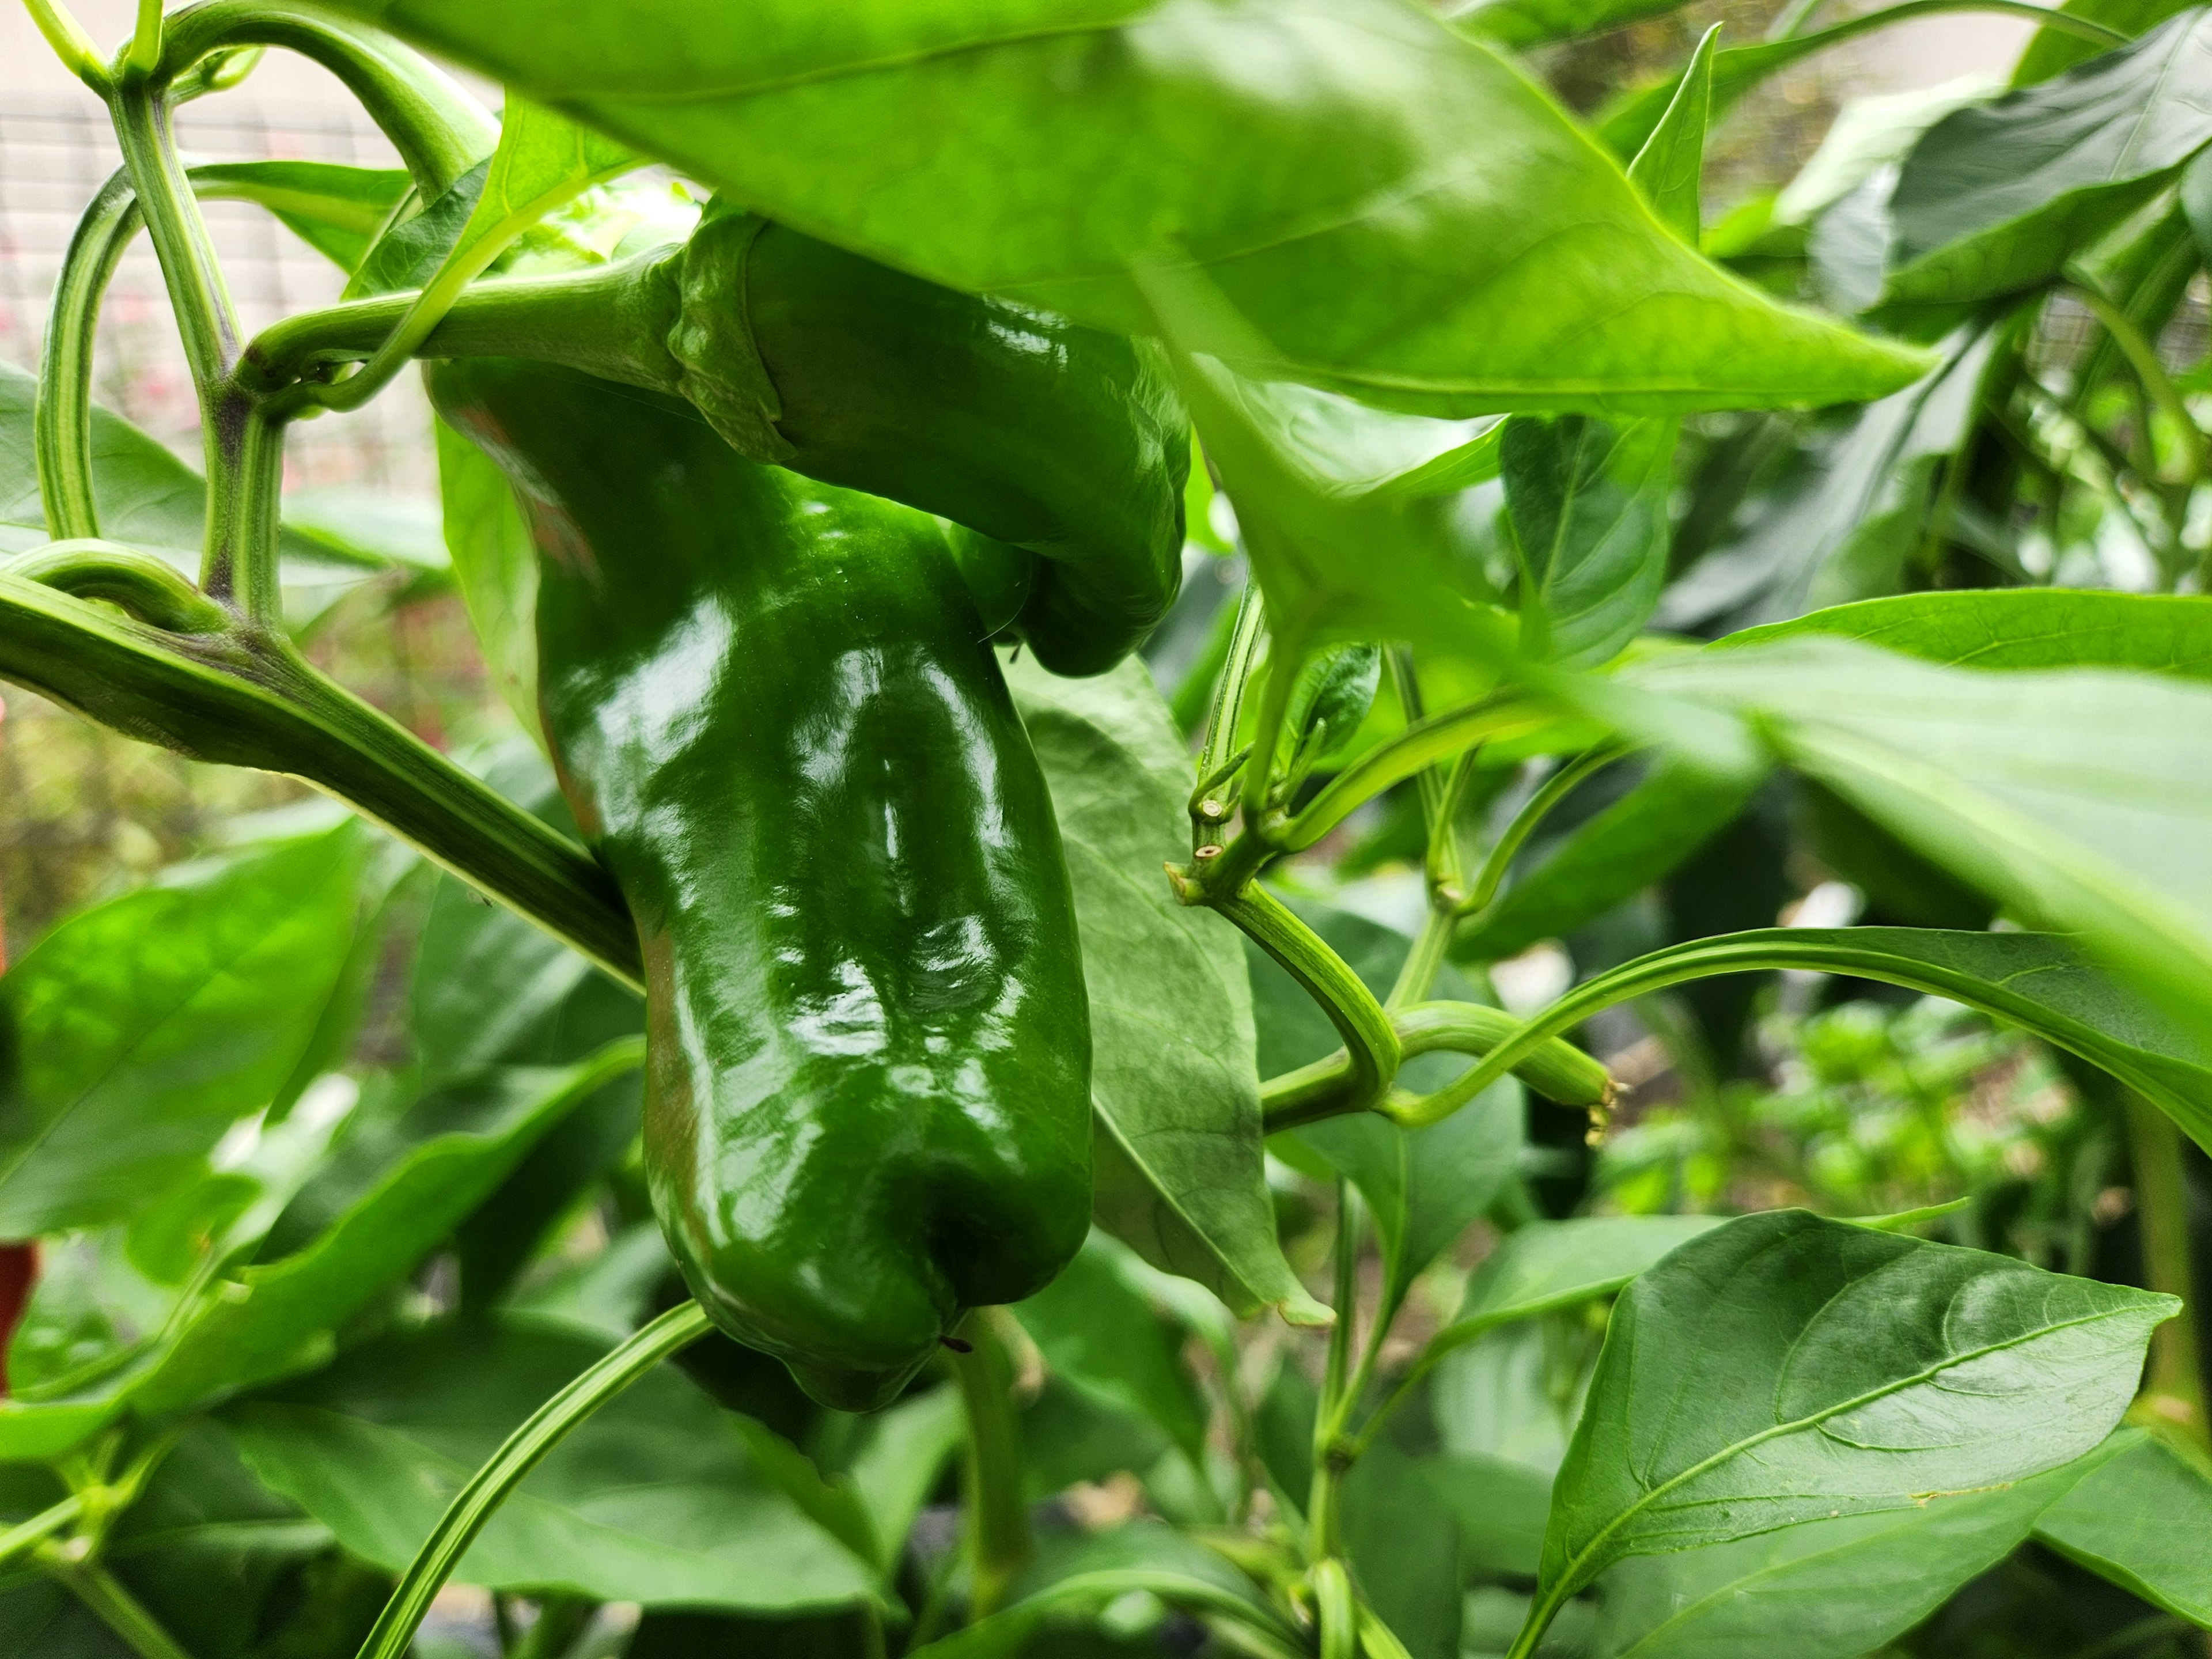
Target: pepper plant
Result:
[897, 1138]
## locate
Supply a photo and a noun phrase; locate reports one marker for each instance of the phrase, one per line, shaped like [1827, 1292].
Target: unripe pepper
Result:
[1066, 441]
[775, 715]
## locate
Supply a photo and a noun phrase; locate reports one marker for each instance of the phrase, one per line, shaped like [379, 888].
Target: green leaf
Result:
[2051, 52]
[136, 1033]
[1670, 167]
[1827, 1589]
[903, 1450]
[376, 1446]
[2022, 628]
[1997, 197]
[1177, 1142]
[1841, 526]
[1521, 24]
[2140, 1520]
[1670, 813]
[496, 566]
[1830, 1371]
[397, 1185]
[1285, 153]
[1588, 503]
[1498, 1509]
[1867, 135]
[1547, 1266]
[337, 211]
[1423, 1187]
[1400, 1532]
[1096, 1330]
[2077, 798]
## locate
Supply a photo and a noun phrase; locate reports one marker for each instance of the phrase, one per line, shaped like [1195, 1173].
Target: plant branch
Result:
[998, 1508]
[70, 43]
[1420, 745]
[476, 1502]
[1556, 788]
[120, 1611]
[1371, 1042]
[244, 698]
[1216, 768]
[2175, 1390]
[1323, 1520]
[1555, 1069]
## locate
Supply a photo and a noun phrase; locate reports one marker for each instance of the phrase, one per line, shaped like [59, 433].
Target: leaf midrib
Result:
[1576, 1564]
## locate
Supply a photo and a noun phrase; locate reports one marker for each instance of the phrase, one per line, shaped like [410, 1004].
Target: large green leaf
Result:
[1546, 1266]
[1827, 1589]
[1180, 1173]
[2141, 1520]
[337, 211]
[1784, 1369]
[1588, 503]
[656, 1498]
[1521, 24]
[401, 1181]
[2078, 797]
[136, 1033]
[1374, 195]
[2022, 628]
[1670, 813]
[1423, 1187]
[1997, 197]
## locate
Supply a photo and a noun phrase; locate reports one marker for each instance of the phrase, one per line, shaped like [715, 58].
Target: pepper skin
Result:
[776, 716]
[1012, 421]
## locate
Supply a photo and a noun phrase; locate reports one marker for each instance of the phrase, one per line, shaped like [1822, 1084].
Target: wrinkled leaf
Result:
[1287, 153]
[1830, 1371]
[1177, 1154]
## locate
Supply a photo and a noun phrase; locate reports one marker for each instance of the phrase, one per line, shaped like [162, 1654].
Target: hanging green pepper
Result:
[1066, 441]
[776, 716]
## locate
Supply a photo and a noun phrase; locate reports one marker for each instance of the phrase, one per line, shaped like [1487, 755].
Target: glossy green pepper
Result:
[774, 713]
[1067, 441]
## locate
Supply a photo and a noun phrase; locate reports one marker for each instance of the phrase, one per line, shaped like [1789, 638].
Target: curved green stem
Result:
[1324, 1522]
[206, 320]
[1215, 762]
[145, 51]
[1335, 1612]
[394, 1630]
[244, 698]
[70, 42]
[2150, 373]
[62, 417]
[1556, 788]
[1759, 950]
[1193, 1595]
[439, 130]
[1426, 741]
[25, 1536]
[1555, 1069]
[1370, 1041]
[151, 590]
[238, 564]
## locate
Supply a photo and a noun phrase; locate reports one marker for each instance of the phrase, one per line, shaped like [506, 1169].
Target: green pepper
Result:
[1067, 441]
[774, 711]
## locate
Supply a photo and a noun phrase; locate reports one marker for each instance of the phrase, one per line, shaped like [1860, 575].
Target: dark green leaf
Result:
[1498, 1509]
[1285, 153]
[1179, 1165]
[1096, 1328]
[903, 1451]
[1834, 1371]
[2141, 1521]
[1400, 1534]
[2052, 52]
[1546, 1266]
[1827, 1589]
[1997, 198]
[134, 1034]
[1589, 508]
[376, 1446]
